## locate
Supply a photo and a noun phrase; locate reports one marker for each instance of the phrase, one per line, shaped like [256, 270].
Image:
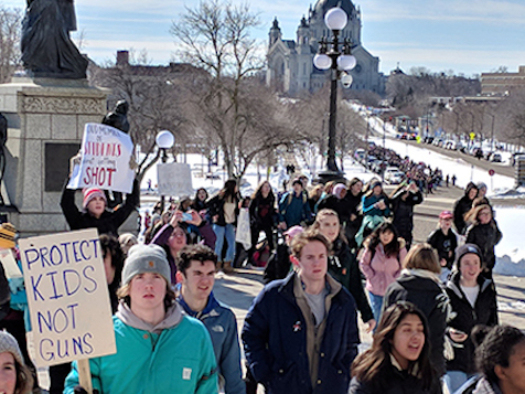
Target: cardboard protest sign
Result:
[174, 179]
[68, 297]
[106, 153]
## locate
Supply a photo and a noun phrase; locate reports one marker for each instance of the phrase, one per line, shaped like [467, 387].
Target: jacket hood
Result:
[172, 318]
[453, 283]
[412, 279]
[207, 311]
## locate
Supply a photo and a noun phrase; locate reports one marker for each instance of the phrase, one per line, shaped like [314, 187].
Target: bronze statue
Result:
[47, 49]
[118, 118]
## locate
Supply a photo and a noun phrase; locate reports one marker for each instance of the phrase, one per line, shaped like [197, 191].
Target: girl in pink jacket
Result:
[381, 263]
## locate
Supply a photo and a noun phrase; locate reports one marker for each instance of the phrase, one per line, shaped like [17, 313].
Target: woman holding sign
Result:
[159, 349]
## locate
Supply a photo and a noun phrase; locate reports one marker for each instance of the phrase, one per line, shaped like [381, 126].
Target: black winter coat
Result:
[465, 317]
[398, 382]
[486, 236]
[461, 207]
[263, 213]
[352, 204]
[404, 213]
[337, 205]
[109, 221]
[445, 245]
[344, 267]
[432, 300]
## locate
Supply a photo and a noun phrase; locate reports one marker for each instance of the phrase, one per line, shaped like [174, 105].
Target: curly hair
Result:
[496, 349]
[191, 253]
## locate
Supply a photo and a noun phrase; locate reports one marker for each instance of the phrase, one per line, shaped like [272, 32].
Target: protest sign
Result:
[106, 153]
[10, 267]
[174, 179]
[68, 297]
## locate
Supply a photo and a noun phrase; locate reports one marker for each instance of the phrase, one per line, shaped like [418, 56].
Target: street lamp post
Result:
[165, 141]
[337, 61]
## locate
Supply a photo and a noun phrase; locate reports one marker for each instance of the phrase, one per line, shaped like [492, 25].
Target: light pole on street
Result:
[337, 61]
[165, 141]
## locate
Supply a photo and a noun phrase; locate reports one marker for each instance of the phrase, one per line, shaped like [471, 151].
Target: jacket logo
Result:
[297, 326]
[186, 373]
[218, 328]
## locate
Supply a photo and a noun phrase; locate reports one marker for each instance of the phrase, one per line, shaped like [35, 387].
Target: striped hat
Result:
[90, 194]
[7, 236]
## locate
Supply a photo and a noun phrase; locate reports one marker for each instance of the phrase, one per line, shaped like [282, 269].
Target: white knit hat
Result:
[9, 344]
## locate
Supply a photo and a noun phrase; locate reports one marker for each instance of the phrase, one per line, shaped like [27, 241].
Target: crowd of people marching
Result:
[330, 252]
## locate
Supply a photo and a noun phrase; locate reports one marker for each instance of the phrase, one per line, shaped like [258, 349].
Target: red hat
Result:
[90, 194]
[446, 215]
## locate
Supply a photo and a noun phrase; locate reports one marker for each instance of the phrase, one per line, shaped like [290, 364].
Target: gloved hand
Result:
[81, 390]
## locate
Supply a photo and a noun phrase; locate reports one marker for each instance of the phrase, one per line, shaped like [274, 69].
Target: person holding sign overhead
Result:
[160, 350]
[94, 212]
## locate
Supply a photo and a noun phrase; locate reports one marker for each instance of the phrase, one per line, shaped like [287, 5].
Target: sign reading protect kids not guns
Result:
[68, 297]
[104, 164]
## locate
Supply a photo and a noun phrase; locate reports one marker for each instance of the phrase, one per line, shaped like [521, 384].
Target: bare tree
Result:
[10, 29]
[215, 35]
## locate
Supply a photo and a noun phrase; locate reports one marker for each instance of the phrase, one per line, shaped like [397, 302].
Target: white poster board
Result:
[8, 261]
[68, 297]
[174, 179]
[106, 153]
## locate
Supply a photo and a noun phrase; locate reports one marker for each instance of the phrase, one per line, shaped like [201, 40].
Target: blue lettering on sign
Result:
[59, 254]
[79, 345]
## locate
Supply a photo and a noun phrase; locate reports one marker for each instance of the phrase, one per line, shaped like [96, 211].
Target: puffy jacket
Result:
[178, 359]
[422, 288]
[275, 340]
[293, 210]
[465, 317]
[108, 222]
[445, 245]
[404, 213]
[344, 267]
[486, 236]
[221, 324]
[382, 270]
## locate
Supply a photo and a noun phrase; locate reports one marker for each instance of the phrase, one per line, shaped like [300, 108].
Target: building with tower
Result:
[290, 62]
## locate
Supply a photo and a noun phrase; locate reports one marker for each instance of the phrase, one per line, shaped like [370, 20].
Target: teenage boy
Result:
[300, 334]
[294, 207]
[196, 271]
[160, 350]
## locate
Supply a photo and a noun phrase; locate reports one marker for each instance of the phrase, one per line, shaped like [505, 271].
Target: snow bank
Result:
[510, 252]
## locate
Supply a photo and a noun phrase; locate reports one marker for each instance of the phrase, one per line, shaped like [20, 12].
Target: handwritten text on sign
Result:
[174, 179]
[68, 297]
[106, 153]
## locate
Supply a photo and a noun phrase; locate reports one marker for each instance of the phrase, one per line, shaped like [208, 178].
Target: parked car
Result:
[394, 178]
[496, 157]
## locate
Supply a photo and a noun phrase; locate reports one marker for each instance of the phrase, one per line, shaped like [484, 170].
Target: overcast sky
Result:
[466, 36]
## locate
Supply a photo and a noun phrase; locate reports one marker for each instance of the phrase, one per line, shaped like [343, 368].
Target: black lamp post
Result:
[337, 61]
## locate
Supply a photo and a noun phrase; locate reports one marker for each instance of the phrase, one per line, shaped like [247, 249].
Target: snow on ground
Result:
[510, 252]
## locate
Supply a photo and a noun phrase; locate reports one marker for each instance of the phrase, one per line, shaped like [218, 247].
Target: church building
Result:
[290, 63]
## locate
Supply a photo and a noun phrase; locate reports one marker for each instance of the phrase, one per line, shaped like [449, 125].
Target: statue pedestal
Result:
[46, 121]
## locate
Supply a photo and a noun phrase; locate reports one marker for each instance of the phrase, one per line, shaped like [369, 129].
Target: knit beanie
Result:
[338, 189]
[467, 249]
[375, 183]
[7, 236]
[146, 258]
[90, 194]
[9, 344]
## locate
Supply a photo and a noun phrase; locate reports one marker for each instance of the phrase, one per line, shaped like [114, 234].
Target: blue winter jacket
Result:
[275, 341]
[293, 210]
[221, 323]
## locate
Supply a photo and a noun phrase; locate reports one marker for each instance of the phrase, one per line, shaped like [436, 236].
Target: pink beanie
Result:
[90, 194]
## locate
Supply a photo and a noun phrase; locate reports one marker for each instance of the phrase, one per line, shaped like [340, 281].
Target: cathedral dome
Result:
[323, 6]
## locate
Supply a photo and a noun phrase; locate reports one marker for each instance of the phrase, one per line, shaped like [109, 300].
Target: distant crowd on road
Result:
[329, 252]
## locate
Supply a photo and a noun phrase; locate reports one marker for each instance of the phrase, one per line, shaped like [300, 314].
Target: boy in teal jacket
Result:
[159, 349]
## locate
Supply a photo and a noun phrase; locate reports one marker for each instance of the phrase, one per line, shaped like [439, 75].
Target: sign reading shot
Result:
[68, 297]
[106, 153]
[174, 179]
